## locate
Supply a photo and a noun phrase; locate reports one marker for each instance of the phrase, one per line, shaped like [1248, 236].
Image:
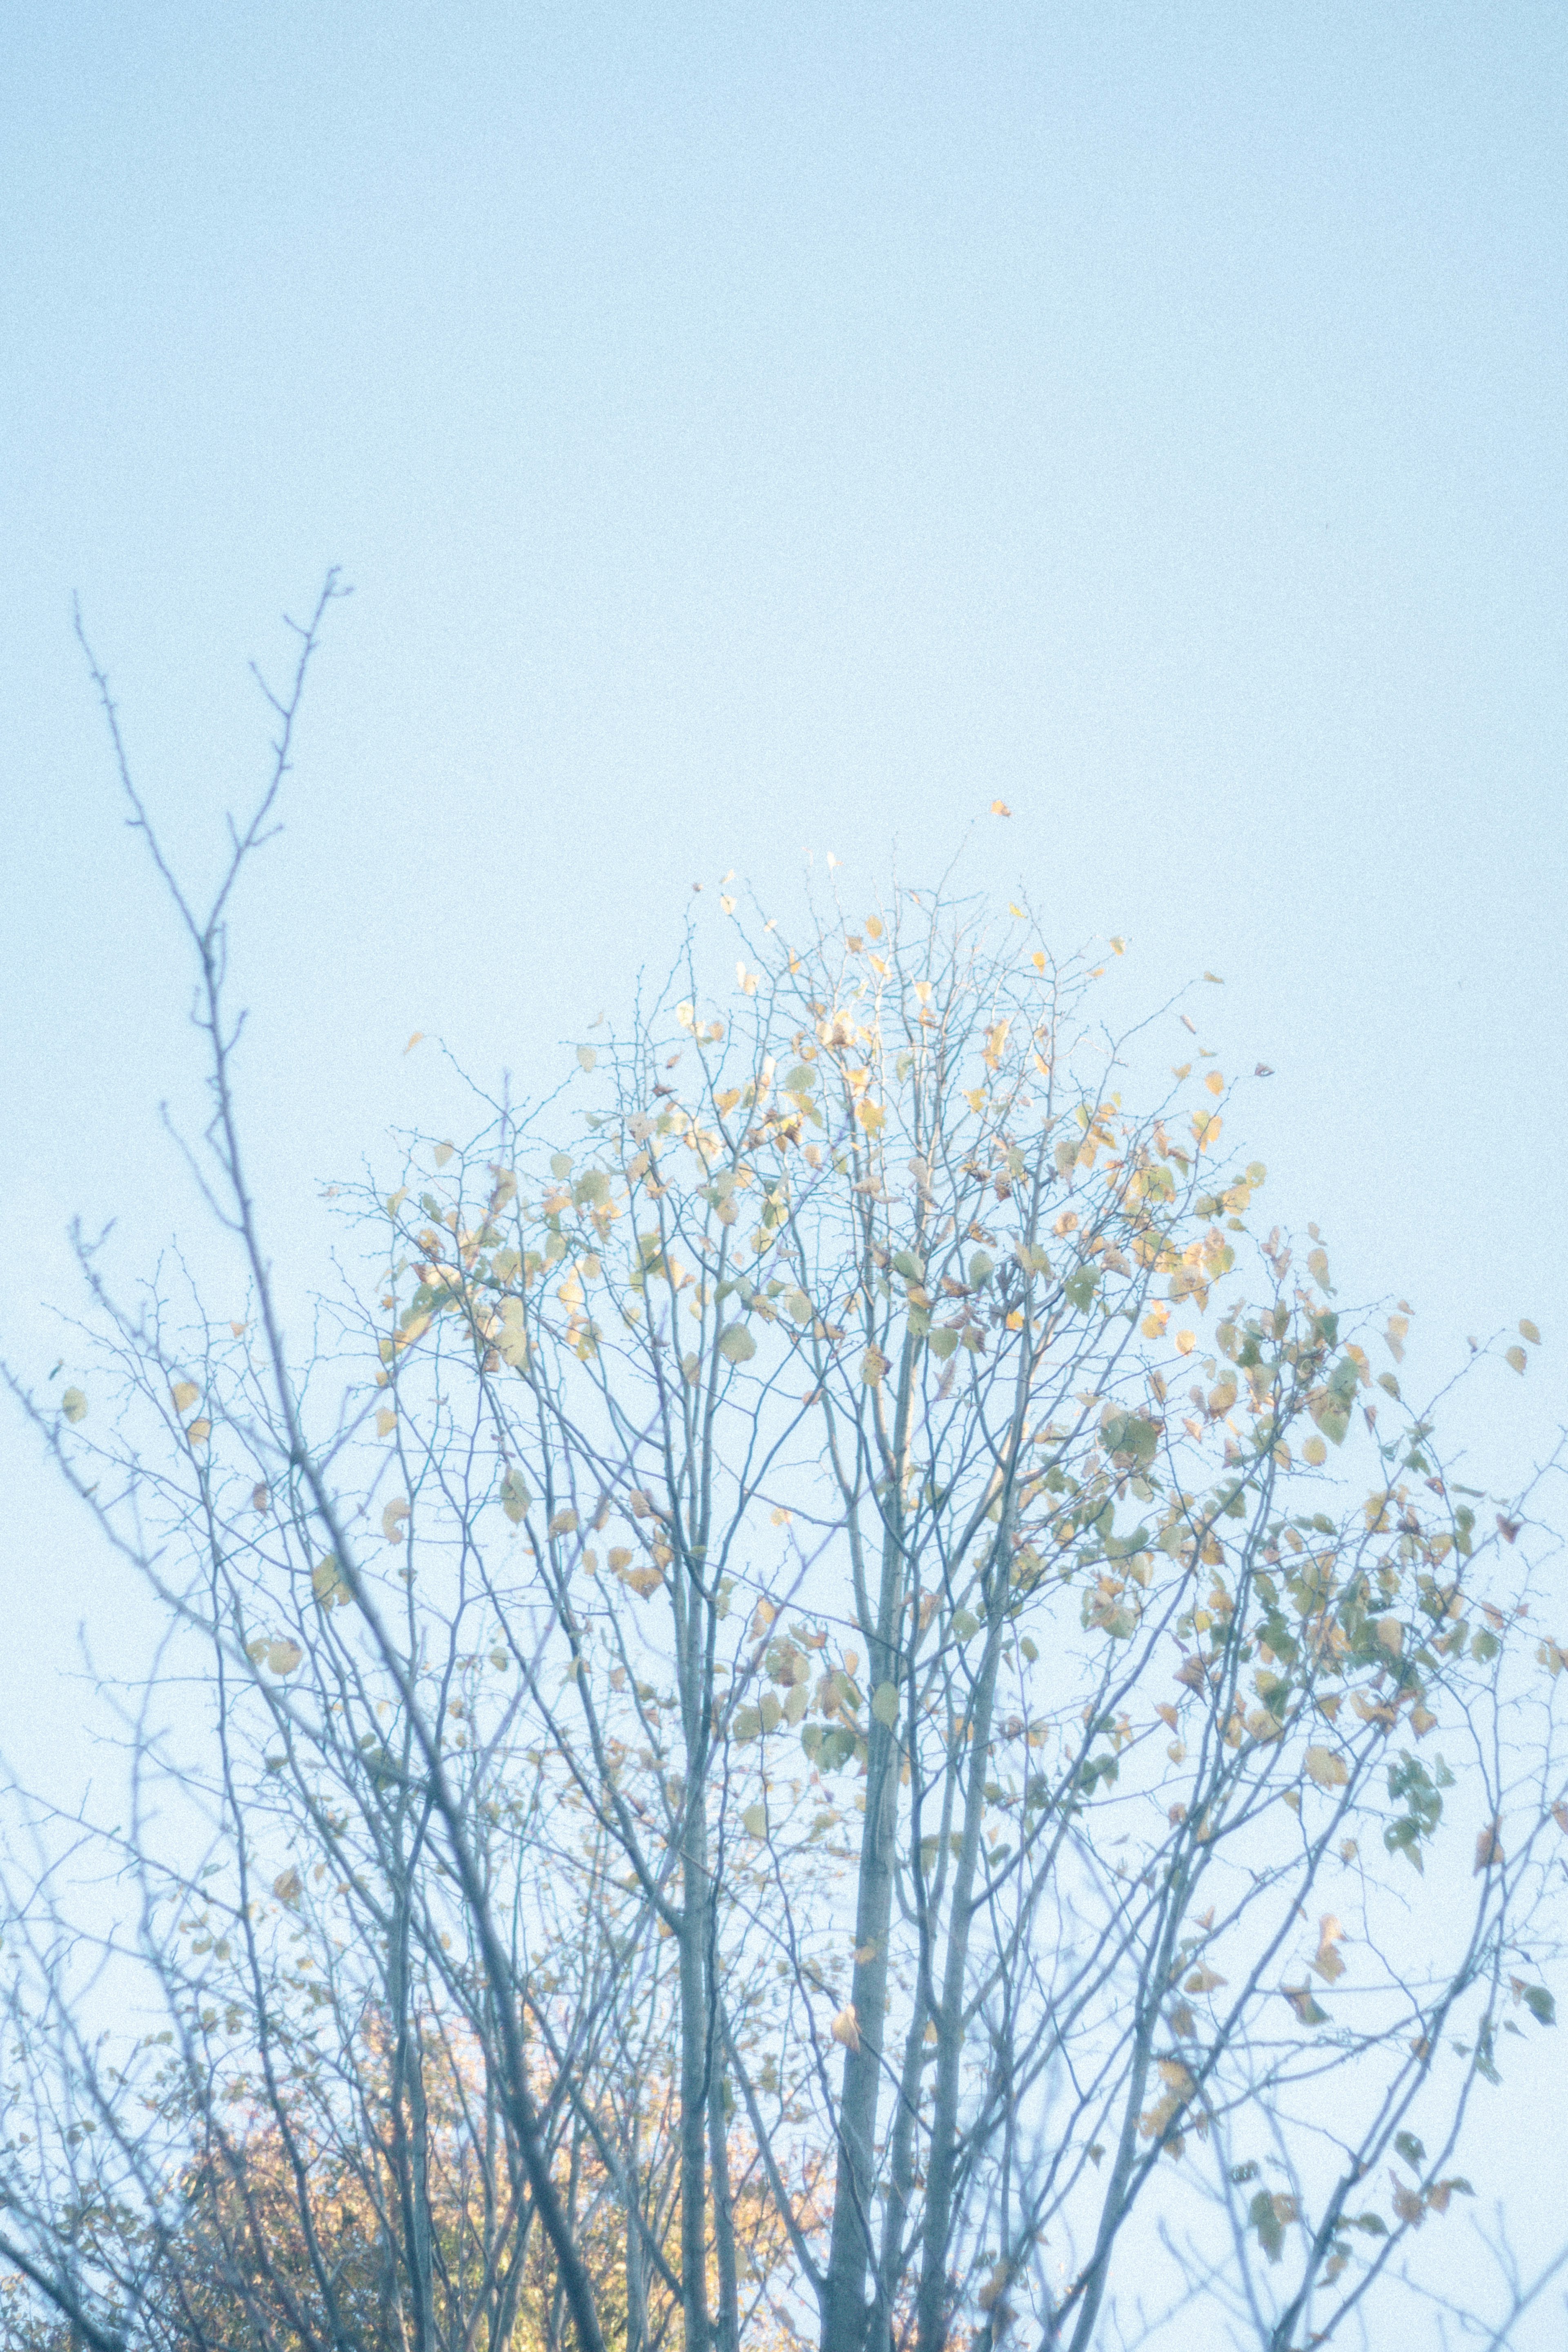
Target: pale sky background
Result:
[755, 431]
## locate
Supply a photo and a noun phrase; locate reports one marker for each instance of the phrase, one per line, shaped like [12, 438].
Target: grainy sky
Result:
[757, 432]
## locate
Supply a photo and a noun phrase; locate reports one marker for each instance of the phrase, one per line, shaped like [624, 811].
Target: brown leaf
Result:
[1488, 1847]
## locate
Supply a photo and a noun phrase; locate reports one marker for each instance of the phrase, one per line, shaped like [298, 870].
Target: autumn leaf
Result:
[287, 1887]
[1327, 1768]
[1528, 1331]
[1516, 1357]
[515, 1500]
[184, 1394]
[1328, 1963]
[73, 1404]
[846, 2027]
[282, 1657]
[1488, 1847]
[1000, 808]
[1307, 2011]
[392, 1519]
[327, 1583]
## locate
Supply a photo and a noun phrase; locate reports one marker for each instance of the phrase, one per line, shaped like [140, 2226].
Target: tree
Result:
[847, 1674]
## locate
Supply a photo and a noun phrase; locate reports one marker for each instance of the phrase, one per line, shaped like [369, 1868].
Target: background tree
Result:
[827, 1704]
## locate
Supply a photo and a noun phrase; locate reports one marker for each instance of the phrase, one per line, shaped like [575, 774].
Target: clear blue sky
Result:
[755, 430]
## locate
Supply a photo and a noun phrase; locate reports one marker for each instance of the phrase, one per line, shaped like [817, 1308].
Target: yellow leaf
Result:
[1327, 1768]
[417, 1038]
[1038, 959]
[1517, 1358]
[1215, 1083]
[1315, 1451]
[385, 1422]
[287, 1887]
[872, 1117]
[846, 2027]
[199, 1431]
[564, 1522]
[1186, 1342]
[1529, 1331]
[586, 1056]
[73, 1404]
[755, 1819]
[443, 1153]
[392, 1519]
[998, 808]
[515, 1500]
[184, 1393]
[282, 1657]
[1328, 1963]
[873, 1364]
[1216, 978]
[327, 1584]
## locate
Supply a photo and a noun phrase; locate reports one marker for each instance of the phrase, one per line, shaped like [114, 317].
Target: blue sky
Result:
[758, 432]
[761, 431]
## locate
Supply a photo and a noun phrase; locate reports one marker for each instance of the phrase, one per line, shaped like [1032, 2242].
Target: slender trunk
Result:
[727, 2334]
[852, 2245]
[932, 2312]
[636, 2290]
[694, 2053]
[900, 2183]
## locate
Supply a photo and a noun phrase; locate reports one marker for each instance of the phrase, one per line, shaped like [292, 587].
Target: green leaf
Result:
[73, 1404]
[1541, 2005]
[885, 1704]
[1411, 2149]
[980, 1268]
[1266, 2222]
[755, 1819]
[942, 1343]
[515, 1500]
[737, 1344]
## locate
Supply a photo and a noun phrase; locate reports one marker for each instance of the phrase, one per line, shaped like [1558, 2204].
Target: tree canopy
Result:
[841, 1704]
